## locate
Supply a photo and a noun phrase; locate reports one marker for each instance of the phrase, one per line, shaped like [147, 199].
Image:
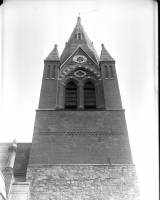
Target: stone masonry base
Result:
[83, 182]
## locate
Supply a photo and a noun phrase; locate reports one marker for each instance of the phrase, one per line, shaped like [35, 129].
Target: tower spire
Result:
[78, 38]
[79, 20]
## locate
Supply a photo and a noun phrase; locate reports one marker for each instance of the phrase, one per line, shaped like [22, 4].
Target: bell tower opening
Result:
[89, 96]
[71, 96]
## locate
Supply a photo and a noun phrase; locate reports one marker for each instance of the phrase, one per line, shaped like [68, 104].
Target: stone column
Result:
[80, 95]
[12, 154]
[60, 96]
[8, 171]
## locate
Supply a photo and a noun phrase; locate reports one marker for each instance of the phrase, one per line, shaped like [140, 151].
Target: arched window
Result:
[111, 71]
[106, 71]
[53, 71]
[89, 96]
[48, 71]
[79, 36]
[71, 96]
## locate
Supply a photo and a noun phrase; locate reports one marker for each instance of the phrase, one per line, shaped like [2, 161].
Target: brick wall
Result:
[111, 88]
[87, 182]
[80, 137]
[49, 87]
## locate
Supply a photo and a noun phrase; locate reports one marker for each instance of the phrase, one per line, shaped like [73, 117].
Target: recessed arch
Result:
[89, 79]
[69, 79]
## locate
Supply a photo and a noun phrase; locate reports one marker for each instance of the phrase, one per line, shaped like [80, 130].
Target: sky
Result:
[128, 29]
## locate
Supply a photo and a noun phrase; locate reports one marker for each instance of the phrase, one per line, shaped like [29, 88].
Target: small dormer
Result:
[78, 35]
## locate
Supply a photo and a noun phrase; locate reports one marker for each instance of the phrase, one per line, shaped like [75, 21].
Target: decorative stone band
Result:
[71, 133]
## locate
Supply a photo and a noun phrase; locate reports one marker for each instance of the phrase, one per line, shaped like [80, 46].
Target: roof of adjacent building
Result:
[22, 157]
[85, 43]
[105, 56]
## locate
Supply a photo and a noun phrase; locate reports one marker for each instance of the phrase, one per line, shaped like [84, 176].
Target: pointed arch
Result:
[48, 71]
[53, 71]
[106, 72]
[111, 71]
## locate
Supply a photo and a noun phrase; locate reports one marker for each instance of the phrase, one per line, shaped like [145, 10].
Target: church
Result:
[80, 148]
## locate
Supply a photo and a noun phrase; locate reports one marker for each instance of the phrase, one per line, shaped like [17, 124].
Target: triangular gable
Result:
[76, 53]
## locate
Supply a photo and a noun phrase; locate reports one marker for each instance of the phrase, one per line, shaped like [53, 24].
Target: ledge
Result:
[40, 165]
[80, 110]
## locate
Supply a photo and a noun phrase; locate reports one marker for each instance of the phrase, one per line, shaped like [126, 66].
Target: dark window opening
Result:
[71, 96]
[89, 96]
[53, 71]
[111, 71]
[106, 71]
[79, 36]
[48, 71]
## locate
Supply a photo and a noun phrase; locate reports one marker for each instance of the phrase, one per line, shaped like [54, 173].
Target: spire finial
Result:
[14, 143]
[79, 20]
[102, 45]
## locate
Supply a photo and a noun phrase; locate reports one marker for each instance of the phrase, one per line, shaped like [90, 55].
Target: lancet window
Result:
[48, 71]
[111, 71]
[53, 71]
[106, 72]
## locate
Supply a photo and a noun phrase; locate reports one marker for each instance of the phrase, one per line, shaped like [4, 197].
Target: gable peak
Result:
[79, 37]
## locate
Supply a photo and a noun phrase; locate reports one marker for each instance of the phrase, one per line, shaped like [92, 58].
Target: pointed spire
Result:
[79, 20]
[54, 55]
[105, 56]
[79, 37]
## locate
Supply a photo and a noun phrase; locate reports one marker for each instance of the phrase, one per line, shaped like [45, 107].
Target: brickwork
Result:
[111, 89]
[49, 87]
[80, 137]
[81, 154]
[87, 182]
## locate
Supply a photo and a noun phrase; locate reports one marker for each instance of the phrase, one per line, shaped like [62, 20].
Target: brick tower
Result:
[80, 148]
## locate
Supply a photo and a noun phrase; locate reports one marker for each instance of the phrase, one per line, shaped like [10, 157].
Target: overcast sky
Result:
[128, 30]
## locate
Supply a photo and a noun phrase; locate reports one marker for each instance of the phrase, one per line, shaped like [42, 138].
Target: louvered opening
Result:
[89, 96]
[71, 96]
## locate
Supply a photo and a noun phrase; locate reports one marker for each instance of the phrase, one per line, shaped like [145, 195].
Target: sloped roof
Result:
[54, 55]
[22, 157]
[105, 56]
[84, 43]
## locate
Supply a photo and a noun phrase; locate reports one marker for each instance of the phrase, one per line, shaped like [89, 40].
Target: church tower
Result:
[80, 148]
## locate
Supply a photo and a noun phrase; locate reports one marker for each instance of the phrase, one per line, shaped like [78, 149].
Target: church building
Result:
[80, 148]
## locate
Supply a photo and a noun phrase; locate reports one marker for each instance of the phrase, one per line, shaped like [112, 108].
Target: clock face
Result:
[79, 59]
